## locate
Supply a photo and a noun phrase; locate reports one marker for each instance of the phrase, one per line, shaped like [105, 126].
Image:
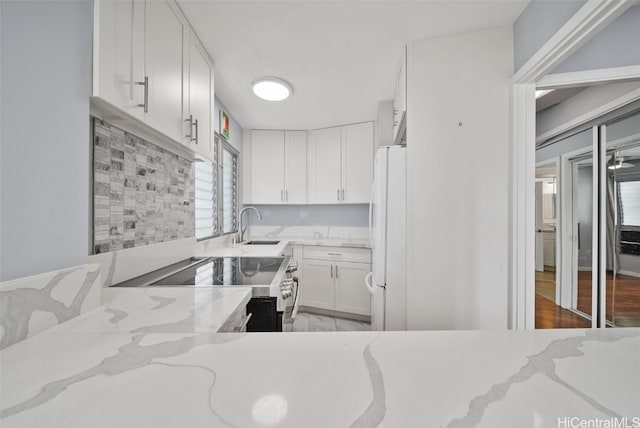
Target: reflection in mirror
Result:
[582, 181]
[623, 223]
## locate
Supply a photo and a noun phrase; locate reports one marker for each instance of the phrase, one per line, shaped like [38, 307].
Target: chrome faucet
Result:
[241, 229]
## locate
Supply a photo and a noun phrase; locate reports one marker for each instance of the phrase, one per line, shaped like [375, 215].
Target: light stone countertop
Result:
[160, 310]
[138, 369]
[243, 250]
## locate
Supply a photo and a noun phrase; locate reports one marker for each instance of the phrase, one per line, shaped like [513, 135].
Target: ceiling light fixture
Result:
[271, 88]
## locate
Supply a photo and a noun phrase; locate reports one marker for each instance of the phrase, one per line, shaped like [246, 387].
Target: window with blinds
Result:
[206, 195]
[629, 192]
[229, 187]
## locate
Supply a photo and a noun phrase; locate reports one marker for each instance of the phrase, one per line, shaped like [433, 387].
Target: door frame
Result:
[557, 161]
[586, 23]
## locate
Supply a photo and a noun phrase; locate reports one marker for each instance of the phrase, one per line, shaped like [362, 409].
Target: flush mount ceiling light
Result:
[272, 88]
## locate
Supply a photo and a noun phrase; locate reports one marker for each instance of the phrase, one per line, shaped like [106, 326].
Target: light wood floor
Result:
[623, 298]
[623, 301]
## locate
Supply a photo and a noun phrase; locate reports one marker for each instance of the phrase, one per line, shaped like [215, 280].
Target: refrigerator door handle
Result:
[373, 188]
[367, 283]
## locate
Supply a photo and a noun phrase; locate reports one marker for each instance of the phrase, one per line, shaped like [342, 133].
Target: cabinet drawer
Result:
[356, 255]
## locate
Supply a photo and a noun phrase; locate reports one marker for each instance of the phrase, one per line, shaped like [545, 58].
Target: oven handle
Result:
[243, 327]
[296, 299]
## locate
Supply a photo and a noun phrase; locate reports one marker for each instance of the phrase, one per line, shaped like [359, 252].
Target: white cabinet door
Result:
[357, 163]
[119, 60]
[351, 293]
[318, 289]
[324, 167]
[198, 121]
[267, 167]
[163, 68]
[295, 161]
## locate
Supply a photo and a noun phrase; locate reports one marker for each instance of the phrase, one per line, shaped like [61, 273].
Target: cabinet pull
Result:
[334, 254]
[196, 124]
[338, 195]
[336, 271]
[190, 134]
[286, 196]
[145, 83]
[282, 196]
[342, 195]
[332, 271]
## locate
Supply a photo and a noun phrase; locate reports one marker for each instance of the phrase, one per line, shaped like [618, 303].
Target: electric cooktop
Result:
[213, 271]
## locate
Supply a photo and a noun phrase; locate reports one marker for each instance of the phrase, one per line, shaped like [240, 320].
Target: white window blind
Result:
[206, 191]
[630, 202]
[229, 191]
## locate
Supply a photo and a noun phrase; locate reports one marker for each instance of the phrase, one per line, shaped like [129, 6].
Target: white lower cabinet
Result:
[335, 280]
[350, 293]
[318, 288]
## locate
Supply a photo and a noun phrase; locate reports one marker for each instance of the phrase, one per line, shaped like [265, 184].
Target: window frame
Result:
[215, 191]
[223, 144]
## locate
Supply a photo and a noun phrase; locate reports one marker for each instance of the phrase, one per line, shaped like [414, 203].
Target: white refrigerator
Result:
[388, 234]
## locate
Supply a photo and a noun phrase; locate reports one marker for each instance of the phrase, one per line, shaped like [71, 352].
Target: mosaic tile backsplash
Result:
[142, 194]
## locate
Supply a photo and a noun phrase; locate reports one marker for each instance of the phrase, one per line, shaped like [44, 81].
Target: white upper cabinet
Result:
[119, 54]
[163, 69]
[341, 164]
[267, 167]
[400, 100]
[198, 101]
[324, 166]
[357, 163]
[277, 167]
[295, 167]
[149, 65]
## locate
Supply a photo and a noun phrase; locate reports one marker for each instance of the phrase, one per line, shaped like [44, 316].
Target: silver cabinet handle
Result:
[343, 195]
[286, 196]
[336, 271]
[332, 271]
[243, 326]
[338, 195]
[334, 254]
[282, 196]
[145, 83]
[190, 134]
[196, 125]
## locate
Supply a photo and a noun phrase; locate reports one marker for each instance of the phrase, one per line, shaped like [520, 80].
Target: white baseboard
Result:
[629, 273]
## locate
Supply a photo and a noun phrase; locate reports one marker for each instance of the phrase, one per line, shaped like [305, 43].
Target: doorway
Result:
[588, 200]
[549, 312]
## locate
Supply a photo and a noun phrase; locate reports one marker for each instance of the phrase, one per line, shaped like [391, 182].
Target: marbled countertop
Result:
[125, 365]
[160, 310]
[278, 249]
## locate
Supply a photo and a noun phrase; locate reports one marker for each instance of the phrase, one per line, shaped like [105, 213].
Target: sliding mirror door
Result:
[622, 261]
[582, 210]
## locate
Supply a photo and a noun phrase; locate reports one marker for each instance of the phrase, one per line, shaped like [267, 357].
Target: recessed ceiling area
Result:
[340, 57]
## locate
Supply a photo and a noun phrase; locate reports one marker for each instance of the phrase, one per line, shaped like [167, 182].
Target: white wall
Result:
[615, 46]
[539, 21]
[458, 180]
[45, 151]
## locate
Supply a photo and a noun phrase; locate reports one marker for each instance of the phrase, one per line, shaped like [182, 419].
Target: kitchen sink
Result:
[262, 243]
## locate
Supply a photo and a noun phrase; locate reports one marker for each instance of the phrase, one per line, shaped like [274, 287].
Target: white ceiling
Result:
[341, 57]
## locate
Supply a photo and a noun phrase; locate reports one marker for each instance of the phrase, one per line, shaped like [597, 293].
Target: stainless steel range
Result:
[271, 278]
